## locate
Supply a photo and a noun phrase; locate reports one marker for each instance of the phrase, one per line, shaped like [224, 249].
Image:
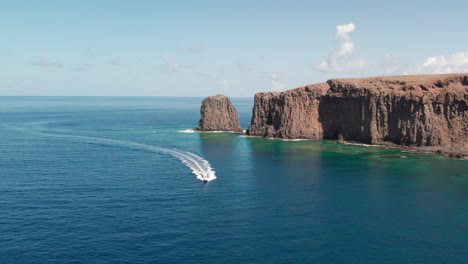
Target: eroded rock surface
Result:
[413, 111]
[219, 114]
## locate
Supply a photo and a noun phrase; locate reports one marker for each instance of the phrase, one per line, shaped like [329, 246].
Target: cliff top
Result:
[405, 78]
[403, 83]
[218, 95]
[414, 84]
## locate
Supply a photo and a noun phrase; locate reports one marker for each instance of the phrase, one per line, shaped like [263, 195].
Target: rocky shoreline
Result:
[424, 113]
[447, 152]
[419, 113]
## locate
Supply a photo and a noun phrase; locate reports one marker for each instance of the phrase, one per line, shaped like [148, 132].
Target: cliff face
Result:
[424, 110]
[218, 114]
[290, 114]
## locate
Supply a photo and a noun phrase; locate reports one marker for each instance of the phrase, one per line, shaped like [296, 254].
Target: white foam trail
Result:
[359, 144]
[193, 131]
[199, 166]
[186, 131]
[285, 139]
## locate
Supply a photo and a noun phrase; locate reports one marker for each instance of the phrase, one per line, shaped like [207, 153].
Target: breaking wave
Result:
[359, 144]
[198, 131]
[186, 131]
[199, 166]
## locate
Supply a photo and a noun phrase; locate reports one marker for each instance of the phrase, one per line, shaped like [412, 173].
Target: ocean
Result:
[114, 180]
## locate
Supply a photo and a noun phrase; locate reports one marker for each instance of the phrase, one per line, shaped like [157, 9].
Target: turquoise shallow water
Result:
[74, 188]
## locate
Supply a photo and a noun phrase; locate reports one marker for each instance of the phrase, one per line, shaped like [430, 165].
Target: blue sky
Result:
[199, 48]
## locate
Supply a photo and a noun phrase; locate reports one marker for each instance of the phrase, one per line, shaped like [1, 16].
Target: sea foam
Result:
[200, 131]
[186, 131]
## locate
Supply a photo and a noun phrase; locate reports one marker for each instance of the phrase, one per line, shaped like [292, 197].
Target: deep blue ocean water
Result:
[75, 188]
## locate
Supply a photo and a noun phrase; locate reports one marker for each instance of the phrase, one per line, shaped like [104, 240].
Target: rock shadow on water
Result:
[278, 160]
[364, 160]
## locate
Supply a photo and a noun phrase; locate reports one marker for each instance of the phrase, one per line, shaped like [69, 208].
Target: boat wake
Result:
[199, 166]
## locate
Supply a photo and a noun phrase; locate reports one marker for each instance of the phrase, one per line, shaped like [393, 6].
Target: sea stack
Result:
[219, 114]
[423, 112]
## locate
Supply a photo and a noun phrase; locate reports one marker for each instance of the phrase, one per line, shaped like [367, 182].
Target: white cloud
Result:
[340, 61]
[244, 67]
[342, 31]
[276, 85]
[173, 65]
[275, 75]
[82, 67]
[115, 62]
[222, 70]
[204, 74]
[392, 66]
[224, 85]
[454, 63]
[93, 51]
[47, 62]
[196, 47]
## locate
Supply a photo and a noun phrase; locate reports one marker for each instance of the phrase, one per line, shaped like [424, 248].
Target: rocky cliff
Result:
[218, 114]
[414, 111]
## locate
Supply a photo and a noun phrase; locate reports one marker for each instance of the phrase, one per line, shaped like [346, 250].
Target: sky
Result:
[237, 48]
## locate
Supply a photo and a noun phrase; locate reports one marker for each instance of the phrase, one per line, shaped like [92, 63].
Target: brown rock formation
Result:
[416, 111]
[218, 114]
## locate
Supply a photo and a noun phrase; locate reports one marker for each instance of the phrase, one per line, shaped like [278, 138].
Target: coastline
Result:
[196, 130]
[461, 154]
[417, 113]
